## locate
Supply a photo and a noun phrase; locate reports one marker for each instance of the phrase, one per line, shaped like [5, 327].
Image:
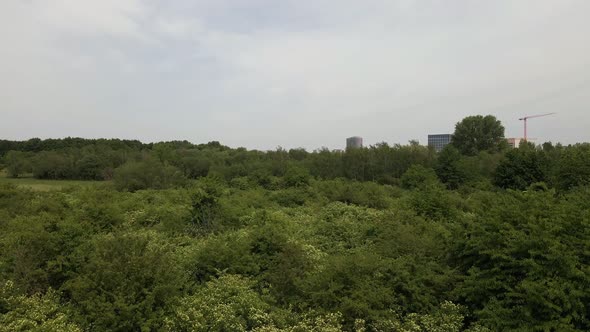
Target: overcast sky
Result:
[291, 73]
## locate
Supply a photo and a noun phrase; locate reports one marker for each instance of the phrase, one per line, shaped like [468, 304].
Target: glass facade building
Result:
[439, 141]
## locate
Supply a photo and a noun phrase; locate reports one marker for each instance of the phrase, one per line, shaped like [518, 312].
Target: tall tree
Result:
[479, 133]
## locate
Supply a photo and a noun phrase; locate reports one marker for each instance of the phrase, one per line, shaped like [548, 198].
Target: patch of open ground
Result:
[44, 185]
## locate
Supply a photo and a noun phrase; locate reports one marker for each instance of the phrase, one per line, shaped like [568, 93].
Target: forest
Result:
[176, 236]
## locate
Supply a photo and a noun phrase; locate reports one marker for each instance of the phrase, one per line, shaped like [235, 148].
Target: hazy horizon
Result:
[293, 74]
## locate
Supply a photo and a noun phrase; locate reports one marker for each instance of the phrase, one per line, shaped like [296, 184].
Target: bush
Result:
[148, 174]
[53, 165]
[17, 163]
[125, 282]
[296, 177]
[418, 176]
[521, 168]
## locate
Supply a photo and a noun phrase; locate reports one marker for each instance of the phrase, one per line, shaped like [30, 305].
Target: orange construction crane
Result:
[530, 117]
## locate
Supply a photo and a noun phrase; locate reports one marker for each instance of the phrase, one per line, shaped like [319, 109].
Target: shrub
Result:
[148, 174]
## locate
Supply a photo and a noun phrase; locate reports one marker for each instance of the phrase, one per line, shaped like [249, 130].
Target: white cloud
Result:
[388, 70]
[118, 18]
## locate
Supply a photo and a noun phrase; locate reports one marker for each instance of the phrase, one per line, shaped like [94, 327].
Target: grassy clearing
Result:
[43, 185]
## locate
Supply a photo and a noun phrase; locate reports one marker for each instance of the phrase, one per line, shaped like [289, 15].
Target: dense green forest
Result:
[175, 236]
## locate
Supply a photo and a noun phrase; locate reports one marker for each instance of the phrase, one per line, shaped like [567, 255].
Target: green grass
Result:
[43, 185]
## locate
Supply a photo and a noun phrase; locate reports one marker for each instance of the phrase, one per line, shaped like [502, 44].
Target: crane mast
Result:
[531, 117]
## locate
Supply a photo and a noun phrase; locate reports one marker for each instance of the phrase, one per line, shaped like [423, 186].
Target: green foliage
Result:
[33, 313]
[418, 176]
[358, 285]
[573, 169]
[471, 162]
[521, 168]
[224, 304]
[479, 133]
[432, 202]
[17, 163]
[367, 194]
[326, 164]
[448, 168]
[194, 163]
[35, 246]
[296, 177]
[291, 197]
[447, 318]
[125, 281]
[204, 207]
[524, 263]
[53, 165]
[133, 261]
[91, 167]
[147, 174]
[294, 241]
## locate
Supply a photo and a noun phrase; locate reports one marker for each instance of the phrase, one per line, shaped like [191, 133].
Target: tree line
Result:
[478, 155]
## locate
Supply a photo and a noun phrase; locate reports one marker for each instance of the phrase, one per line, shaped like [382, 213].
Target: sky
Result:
[291, 73]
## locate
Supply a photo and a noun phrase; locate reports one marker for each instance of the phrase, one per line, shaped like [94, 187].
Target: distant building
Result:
[439, 141]
[514, 142]
[354, 142]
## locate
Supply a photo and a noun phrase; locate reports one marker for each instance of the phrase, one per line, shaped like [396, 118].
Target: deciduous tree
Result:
[479, 133]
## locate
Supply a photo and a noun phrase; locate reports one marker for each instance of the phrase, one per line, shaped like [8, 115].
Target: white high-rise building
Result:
[354, 142]
[514, 142]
